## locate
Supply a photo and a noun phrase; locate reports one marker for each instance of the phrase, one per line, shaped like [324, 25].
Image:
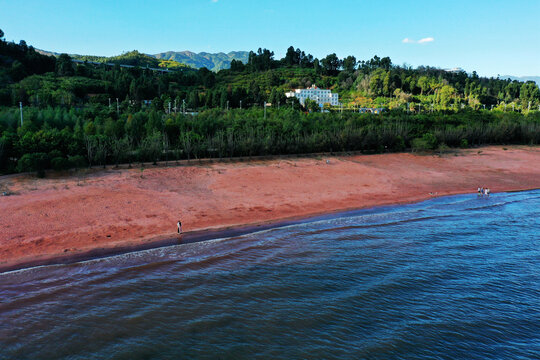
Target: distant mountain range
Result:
[214, 62]
[536, 79]
[210, 61]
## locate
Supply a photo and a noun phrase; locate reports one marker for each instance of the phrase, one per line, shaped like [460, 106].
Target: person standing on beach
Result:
[179, 225]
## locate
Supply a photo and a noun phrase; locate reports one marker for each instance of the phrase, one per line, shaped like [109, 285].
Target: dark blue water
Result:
[451, 278]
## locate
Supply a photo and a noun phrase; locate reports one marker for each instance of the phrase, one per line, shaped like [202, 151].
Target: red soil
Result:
[55, 217]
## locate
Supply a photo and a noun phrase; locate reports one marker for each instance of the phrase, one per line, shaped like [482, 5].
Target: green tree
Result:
[376, 82]
[446, 95]
[37, 162]
[529, 93]
[311, 105]
[152, 147]
[186, 140]
[90, 128]
[237, 65]
[317, 66]
[64, 65]
[423, 83]
[291, 57]
[193, 100]
[349, 64]
[90, 143]
[223, 98]
[277, 97]
[60, 163]
[331, 64]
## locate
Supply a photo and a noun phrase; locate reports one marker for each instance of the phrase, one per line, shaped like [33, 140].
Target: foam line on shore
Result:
[212, 234]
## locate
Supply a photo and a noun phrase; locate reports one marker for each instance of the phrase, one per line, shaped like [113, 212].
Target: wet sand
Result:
[74, 217]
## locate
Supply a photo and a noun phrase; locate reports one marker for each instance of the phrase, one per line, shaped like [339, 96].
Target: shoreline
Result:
[207, 234]
[234, 199]
[211, 234]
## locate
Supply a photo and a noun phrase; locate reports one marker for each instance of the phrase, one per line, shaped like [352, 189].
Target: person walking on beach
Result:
[179, 225]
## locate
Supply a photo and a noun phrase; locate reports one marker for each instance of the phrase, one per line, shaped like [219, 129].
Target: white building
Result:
[321, 96]
[455, 70]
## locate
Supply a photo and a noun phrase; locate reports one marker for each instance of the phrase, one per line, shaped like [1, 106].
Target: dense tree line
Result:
[78, 114]
[61, 138]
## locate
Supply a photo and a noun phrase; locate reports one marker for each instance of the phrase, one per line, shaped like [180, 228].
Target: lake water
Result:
[451, 278]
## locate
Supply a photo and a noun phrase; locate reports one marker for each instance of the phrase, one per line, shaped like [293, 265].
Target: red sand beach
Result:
[57, 217]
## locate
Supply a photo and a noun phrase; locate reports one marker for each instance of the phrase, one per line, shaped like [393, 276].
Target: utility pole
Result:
[117, 107]
[265, 109]
[169, 107]
[240, 104]
[484, 106]
[175, 106]
[491, 107]
[184, 105]
[529, 108]
[513, 107]
[20, 105]
[227, 105]
[109, 103]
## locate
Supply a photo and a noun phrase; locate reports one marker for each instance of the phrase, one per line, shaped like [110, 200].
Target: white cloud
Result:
[426, 40]
[421, 41]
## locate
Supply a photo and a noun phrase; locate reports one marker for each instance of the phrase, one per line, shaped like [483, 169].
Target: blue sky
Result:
[492, 37]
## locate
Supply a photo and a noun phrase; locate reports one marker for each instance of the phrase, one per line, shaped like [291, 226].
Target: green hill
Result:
[214, 62]
[169, 59]
[134, 58]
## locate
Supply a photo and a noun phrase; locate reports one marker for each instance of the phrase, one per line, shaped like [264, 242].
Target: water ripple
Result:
[449, 278]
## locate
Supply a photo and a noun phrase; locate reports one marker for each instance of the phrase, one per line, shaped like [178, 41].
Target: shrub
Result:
[427, 142]
[431, 140]
[60, 163]
[464, 144]
[443, 148]
[419, 144]
[400, 144]
[55, 154]
[77, 161]
[37, 162]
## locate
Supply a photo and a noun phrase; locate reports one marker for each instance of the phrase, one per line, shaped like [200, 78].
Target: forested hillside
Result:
[214, 62]
[170, 59]
[77, 114]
